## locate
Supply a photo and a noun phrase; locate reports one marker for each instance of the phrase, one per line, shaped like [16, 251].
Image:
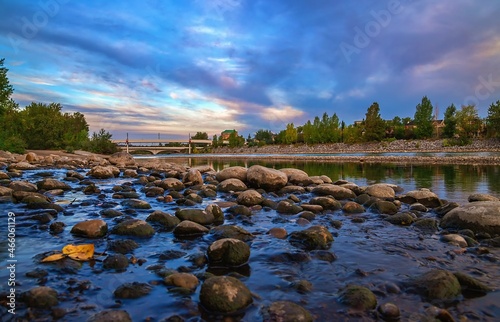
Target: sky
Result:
[174, 68]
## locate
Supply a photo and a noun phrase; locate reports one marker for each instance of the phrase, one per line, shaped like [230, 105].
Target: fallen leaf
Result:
[53, 258]
[79, 252]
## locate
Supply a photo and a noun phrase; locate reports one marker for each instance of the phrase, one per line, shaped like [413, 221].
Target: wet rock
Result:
[437, 284]
[228, 252]
[57, 227]
[479, 216]
[328, 203]
[4, 191]
[447, 207]
[110, 316]
[240, 210]
[134, 227]
[111, 213]
[427, 225]
[42, 297]
[312, 208]
[224, 294]
[423, 196]
[130, 173]
[93, 228]
[454, 239]
[171, 184]
[166, 220]
[74, 174]
[4, 176]
[198, 216]
[384, 207]
[418, 207]
[324, 255]
[266, 178]
[297, 176]
[20, 185]
[401, 219]
[482, 197]
[37, 273]
[315, 237]
[117, 262]
[154, 191]
[132, 290]
[337, 192]
[193, 176]
[122, 246]
[194, 197]
[21, 166]
[302, 286]
[215, 211]
[52, 184]
[352, 207]
[278, 232]
[288, 207]
[184, 280]
[380, 190]
[308, 215]
[121, 159]
[389, 311]
[286, 311]
[231, 231]
[250, 198]
[233, 184]
[188, 228]
[104, 172]
[136, 204]
[235, 172]
[125, 195]
[470, 284]
[291, 189]
[30, 197]
[358, 297]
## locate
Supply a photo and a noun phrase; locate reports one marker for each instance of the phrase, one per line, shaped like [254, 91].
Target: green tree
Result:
[264, 137]
[290, 134]
[200, 136]
[215, 142]
[450, 121]
[101, 143]
[6, 89]
[423, 119]
[493, 120]
[468, 122]
[374, 124]
[235, 140]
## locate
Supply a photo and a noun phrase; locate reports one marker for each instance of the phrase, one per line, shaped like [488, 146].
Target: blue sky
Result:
[179, 67]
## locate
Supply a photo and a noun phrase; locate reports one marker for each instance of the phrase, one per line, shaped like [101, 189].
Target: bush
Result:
[101, 143]
[460, 141]
[13, 144]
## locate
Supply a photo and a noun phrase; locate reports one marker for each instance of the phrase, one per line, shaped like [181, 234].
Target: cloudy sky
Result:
[178, 67]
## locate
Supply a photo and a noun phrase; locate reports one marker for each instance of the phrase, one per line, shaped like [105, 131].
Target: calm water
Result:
[372, 253]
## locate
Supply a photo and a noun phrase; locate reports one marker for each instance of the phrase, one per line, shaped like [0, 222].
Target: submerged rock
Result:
[224, 294]
[166, 220]
[134, 227]
[228, 252]
[437, 284]
[188, 228]
[110, 316]
[231, 231]
[42, 297]
[358, 297]
[286, 311]
[315, 237]
[132, 290]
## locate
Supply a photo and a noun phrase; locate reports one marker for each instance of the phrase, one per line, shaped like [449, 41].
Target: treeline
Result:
[41, 126]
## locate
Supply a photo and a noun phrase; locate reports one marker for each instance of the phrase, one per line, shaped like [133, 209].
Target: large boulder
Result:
[266, 178]
[104, 172]
[52, 184]
[437, 284]
[380, 190]
[198, 216]
[228, 252]
[232, 184]
[134, 227]
[479, 216]
[224, 294]
[250, 198]
[188, 228]
[315, 237]
[335, 191]
[171, 184]
[94, 228]
[358, 297]
[166, 220]
[193, 176]
[23, 186]
[423, 196]
[235, 172]
[121, 159]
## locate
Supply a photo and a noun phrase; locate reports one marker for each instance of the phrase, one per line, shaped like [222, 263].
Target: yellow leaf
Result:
[79, 252]
[53, 258]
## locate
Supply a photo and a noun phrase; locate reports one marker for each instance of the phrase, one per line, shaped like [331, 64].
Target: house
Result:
[226, 133]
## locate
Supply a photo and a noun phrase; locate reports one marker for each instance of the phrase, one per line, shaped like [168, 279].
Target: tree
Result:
[468, 122]
[493, 120]
[374, 124]
[101, 143]
[215, 141]
[423, 119]
[290, 134]
[236, 140]
[264, 137]
[6, 89]
[450, 121]
[200, 136]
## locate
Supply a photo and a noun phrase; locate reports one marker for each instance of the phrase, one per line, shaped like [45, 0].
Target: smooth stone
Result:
[188, 228]
[93, 228]
[185, 280]
[358, 297]
[250, 198]
[231, 231]
[122, 246]
[315, 237]
[42, 297]
[437, 284]
[235, 172]
[116, 261]
[384, 207]
[454, 239]
[193, 176]
[228, 252]
[171, 184]
[104, 172]
[110, 316]
[423, 196]
[166, 220]
[136, 204]
[198, 216]
[266, 178]
[401, 219]
[482, 197]
[232, 184]
[327, 203]
[380, 190]
[224, 294]
[286, 311]
[134, 227]
[121, 158]
[479, 216]
[132, 290]
[352, 207]
[278, 232]
[23, 186]
[215, 211]
[288, 207]
[337, 192]
[52, 184]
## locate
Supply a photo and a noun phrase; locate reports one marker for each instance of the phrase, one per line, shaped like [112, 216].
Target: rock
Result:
[427, 225]
[74, 174]
[316, 208]
[401, 219]
[52, 184]
[130, 173]
[352, 207]
[482, 197]
[110, 316]
[121, 159]
[93, 228]
[380, 190]
[231, 231]
[358, 297]
[250, 198]
[315, 237]
[171, 184]
[42, 297]
[454, 239]
[278, 232]
[291, 189]
[389, 312]
[228, 252]
[437, 284]
[193, 176]
[136, 204]
[444, 209]
[111, 213]
[198, 216]
[184, 280]
[57, 227]
[470, 284]
[384, 207]
[240, 210]
[4, 191]
[4, 176]
[23, 186]
[134, 227]
[286, 311]
[188, 228]
[235, 172]
[337, 192]
[30, 197]
[327, 203]
[122, 246]
[266, 178]
[233, 184]
[214, 210]
[117, 262]
[296, 176]
[132, 290]
[31, 157]
[479, 216]
[104, 172]
[154, 191]
[423, 196]
[20, 166]
[166, 220]
[125, 195]
[288, 207]
[194, 197]
[224, 294]
[418, 207]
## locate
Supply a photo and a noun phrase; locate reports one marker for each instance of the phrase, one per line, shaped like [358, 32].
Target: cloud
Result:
[285, 113]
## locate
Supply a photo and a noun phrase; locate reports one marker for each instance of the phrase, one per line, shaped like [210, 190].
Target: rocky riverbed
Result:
[174, 243]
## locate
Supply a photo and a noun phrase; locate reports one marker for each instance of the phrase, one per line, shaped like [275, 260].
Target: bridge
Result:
[156, 146]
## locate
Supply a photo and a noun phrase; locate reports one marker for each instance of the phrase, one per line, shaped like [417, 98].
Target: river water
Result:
[369, 251]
